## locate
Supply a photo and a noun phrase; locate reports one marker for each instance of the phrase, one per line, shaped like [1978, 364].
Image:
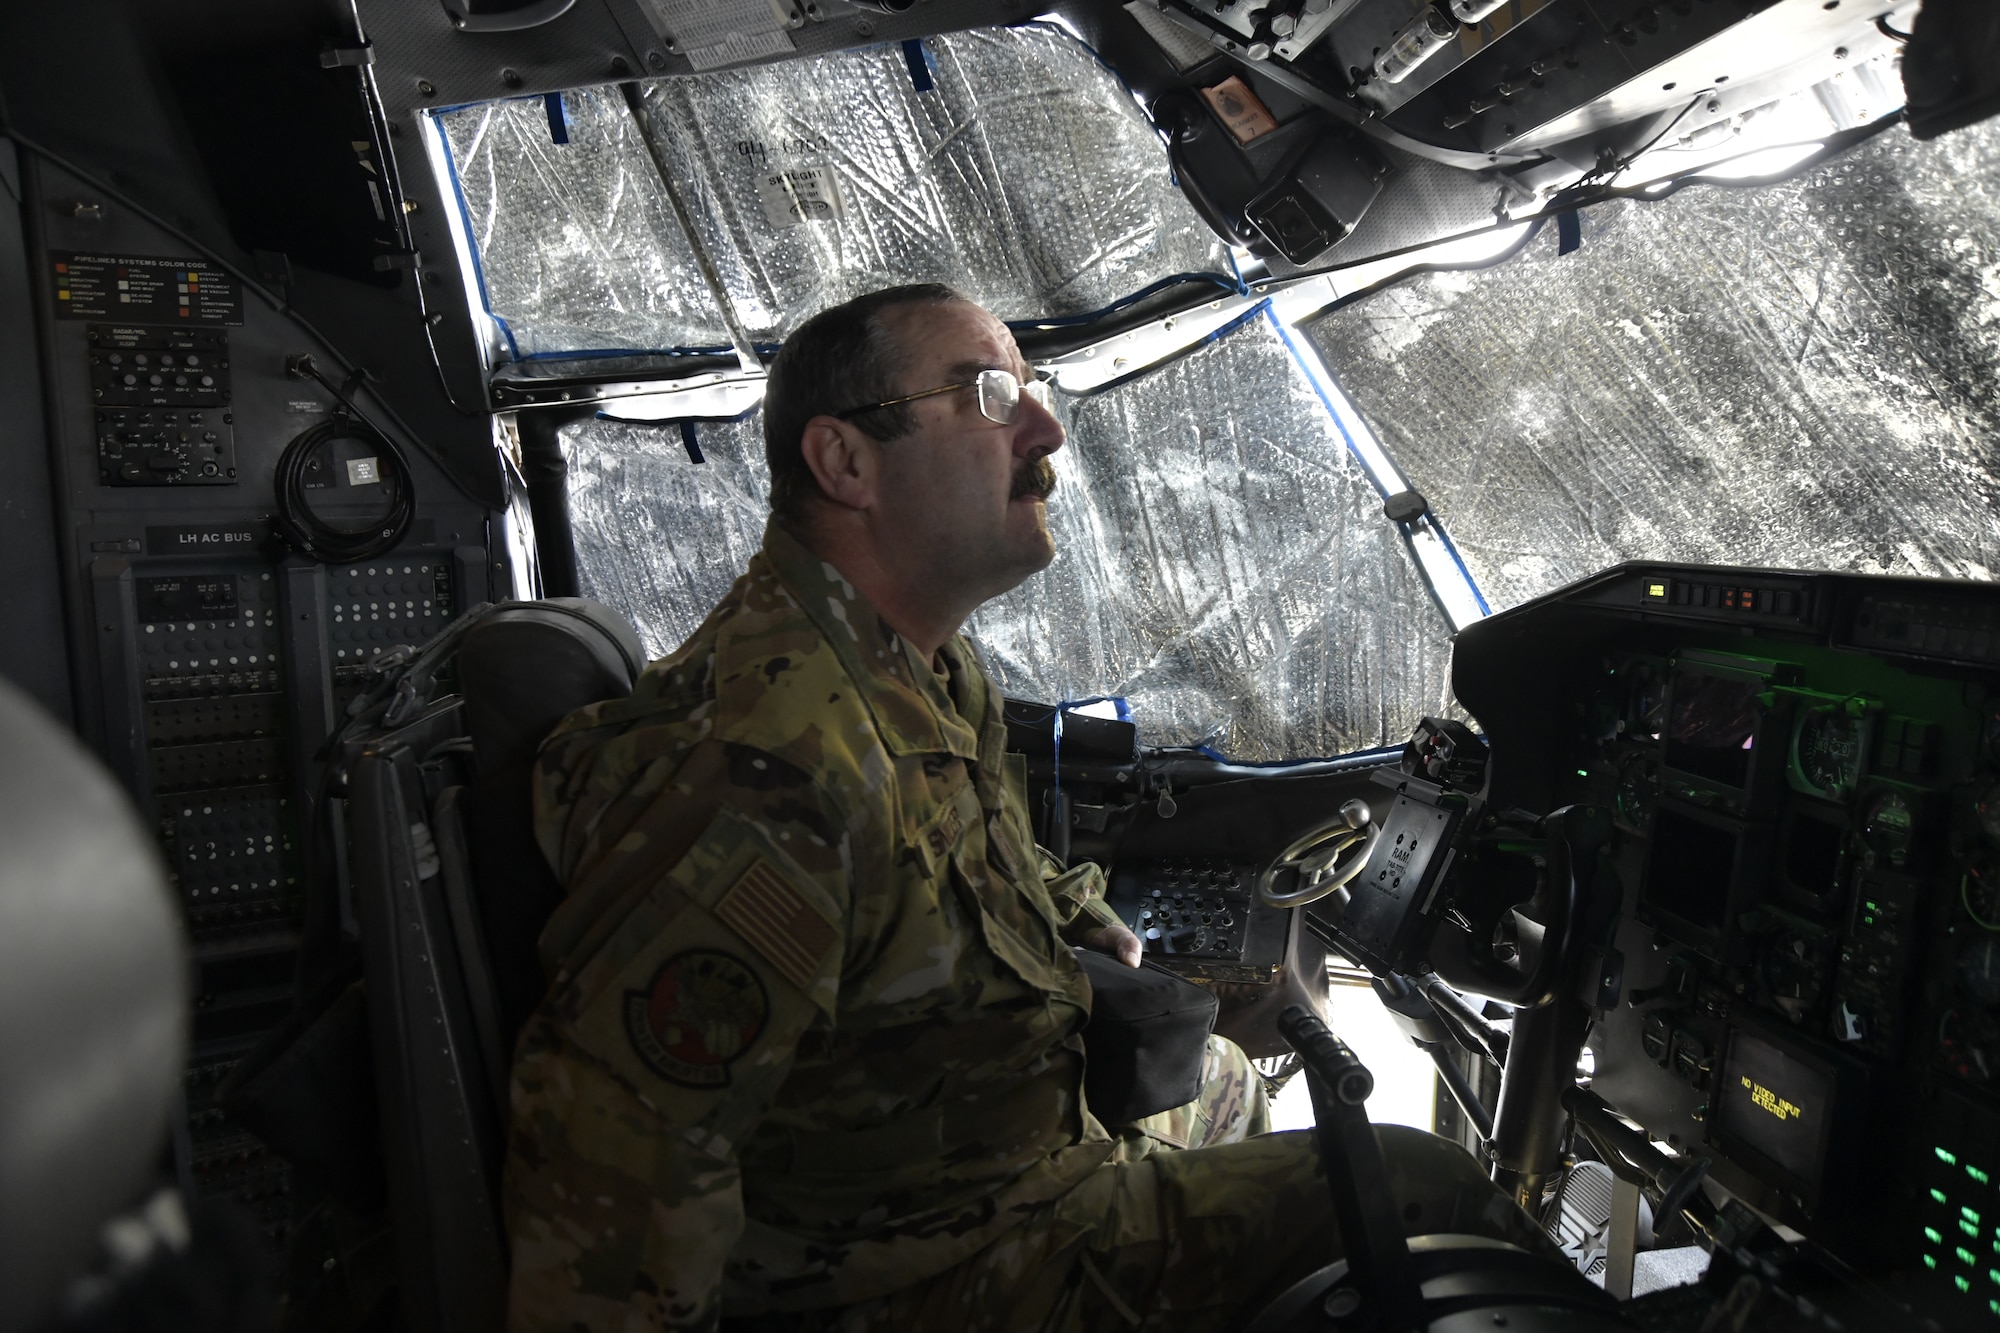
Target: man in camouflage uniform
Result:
[811, 1043]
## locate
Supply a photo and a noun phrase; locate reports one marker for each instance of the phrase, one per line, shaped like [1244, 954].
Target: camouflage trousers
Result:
[1230, 1107]
[1189, 1241]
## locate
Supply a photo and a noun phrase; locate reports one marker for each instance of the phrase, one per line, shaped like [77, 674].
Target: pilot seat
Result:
[419, 963]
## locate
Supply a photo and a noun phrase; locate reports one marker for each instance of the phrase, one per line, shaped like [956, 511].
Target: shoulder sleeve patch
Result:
[778, 921]
[699, 1013]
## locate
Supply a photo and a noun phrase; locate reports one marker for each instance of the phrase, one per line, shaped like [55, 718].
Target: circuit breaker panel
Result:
[210, 659]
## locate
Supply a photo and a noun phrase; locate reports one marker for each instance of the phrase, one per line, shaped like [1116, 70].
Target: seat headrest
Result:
[527, 665]
[93, 1007]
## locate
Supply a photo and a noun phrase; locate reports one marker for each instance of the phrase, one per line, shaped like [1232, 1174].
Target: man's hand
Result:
[1117, 941]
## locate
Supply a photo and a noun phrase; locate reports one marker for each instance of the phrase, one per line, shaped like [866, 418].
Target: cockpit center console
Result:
[1738, 831]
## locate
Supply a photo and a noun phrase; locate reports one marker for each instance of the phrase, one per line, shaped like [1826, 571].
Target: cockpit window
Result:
[1222, 559]
[1008, 162]
[1802, 375]
[575, 244]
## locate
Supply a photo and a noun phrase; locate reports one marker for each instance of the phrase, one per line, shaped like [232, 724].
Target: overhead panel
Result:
[1222, 558]
[1006, 161]
[1802, 375]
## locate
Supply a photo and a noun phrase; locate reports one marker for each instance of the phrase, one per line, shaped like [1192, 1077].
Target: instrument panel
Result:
[1805, 816]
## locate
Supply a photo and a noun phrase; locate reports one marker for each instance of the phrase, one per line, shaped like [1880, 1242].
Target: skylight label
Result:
[800, 194]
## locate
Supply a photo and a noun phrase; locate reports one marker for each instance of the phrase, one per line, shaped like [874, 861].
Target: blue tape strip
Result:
[1055, 776]
[558, 121]
[1451, 549]
[919, 61]
[1319, 391]
[1569, 232]
[1437, 524]
[691, 443]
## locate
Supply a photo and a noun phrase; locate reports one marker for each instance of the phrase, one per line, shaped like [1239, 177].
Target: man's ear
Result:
[844, 459]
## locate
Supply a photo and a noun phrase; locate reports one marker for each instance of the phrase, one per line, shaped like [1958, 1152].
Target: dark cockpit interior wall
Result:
[180, 239]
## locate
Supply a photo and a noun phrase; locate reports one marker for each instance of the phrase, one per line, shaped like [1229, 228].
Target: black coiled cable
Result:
[312, 535]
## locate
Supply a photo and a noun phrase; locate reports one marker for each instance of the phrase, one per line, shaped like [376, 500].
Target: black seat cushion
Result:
[521, 670]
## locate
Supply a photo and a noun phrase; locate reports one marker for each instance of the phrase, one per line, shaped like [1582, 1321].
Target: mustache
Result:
[1037, 479]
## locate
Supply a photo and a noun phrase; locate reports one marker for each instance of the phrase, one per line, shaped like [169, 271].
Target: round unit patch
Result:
[702, 1010]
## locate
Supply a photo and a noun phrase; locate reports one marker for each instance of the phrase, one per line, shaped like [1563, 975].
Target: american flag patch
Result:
[777, 921]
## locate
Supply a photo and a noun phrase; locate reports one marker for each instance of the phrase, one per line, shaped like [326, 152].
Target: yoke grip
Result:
[1338, 1067]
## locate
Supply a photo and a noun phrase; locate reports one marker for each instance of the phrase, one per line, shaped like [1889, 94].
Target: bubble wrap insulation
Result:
[657, 536]
[1027, 176]
[1222, 560]
[1804, 375]
[577, 243]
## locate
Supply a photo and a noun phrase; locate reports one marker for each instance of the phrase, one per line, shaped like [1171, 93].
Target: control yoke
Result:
[1324, 859]
[1546, 928]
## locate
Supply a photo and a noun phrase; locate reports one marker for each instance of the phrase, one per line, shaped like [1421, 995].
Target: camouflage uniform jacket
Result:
[812, 1030]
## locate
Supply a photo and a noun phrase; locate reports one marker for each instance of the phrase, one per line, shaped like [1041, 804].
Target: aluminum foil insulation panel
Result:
[1804, 375]
[658, 536]
[577, 244]
[1223, 562]
[1025, 174]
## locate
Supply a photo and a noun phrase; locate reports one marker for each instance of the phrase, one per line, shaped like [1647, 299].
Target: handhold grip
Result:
[1357, 1175]
[1338, 1067]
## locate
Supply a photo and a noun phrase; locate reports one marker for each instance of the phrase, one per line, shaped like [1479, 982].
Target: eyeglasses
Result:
[1000, 396]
